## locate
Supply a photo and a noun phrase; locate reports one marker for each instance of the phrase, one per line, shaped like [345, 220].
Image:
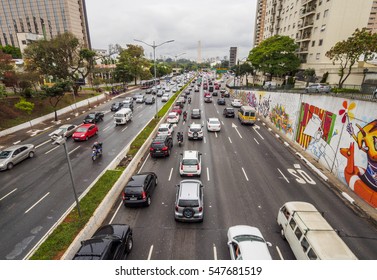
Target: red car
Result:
[85, 131]
[207, 94]
[177, 109]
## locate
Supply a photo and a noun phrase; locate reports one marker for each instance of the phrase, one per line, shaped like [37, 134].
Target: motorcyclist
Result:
[184, 115]
[189, 100]
[98, 147]
[180, 137]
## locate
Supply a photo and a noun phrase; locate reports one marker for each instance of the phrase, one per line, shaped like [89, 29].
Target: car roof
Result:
[15, 147]
[173, 113]
[87, 124]
[160, 137]
[66, 125]
[189, 189]
[137, 180]
[190, 154]
[213, 119]
[195, 125]
[164, 125]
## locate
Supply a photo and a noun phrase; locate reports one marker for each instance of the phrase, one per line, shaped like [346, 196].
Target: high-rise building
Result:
[23, 21]
[316, 26]
[232, 56]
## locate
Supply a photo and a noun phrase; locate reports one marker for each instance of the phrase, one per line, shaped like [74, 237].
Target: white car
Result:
[190, 163]
[247, 243]
[140, 99]
[160, 93]
[66, 130]
[195, 132]
[165, 97]
[165, 129]
[128, 99]
[236, 103]
[173, 117]
[213, 124]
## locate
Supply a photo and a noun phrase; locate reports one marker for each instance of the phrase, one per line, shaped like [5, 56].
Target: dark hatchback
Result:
[196, 114]
[109, 242]
[116, 106]
[94, 117]
[139, 189]
[161, 146]
[221, 101]
[228, 112]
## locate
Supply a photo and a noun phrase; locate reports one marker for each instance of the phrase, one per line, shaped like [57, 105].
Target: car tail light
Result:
[165, 148]
[151, 149]
[200, 209]
[123, 195]
[197, 167]
[176, 208]
[143, 195]
[181, 166]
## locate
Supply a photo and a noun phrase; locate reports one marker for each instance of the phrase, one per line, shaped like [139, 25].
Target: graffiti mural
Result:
[281, 119]
[264, 105]
[251, 99]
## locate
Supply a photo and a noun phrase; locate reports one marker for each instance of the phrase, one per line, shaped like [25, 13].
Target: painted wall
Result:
[341, 134]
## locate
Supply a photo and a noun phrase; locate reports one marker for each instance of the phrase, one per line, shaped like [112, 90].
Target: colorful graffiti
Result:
[264, 105]
[251, 99]
[280, 118]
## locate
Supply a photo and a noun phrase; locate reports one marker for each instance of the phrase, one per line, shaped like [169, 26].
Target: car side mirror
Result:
[200, 154]
[269, 244]
[181, 154]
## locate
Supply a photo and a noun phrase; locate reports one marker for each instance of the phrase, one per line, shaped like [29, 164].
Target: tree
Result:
[62, 58]
[13, 51]
[348, 52]
[309, 75]
[275, 55]
[55, 93]
[25, 106]
[162, 69]
[6, 64]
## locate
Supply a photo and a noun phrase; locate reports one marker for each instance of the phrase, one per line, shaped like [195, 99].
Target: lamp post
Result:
[176, 64]
[154, 46]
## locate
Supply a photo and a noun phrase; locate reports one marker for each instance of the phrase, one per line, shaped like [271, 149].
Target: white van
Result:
[123, 116]
[310, 236]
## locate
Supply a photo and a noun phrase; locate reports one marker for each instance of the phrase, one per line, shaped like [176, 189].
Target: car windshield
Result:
[5, 154]
[195, 111]
[172, 116]
[214, 122]
[82, 129]
[188, 203]
[190, 161]
[91, 116]
[248, 237]
[195, 129]
[163, 129]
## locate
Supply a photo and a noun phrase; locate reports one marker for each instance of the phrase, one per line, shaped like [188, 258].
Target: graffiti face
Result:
[367, 139]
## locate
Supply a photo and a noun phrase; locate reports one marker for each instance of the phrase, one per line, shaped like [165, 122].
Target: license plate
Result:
[133, 198]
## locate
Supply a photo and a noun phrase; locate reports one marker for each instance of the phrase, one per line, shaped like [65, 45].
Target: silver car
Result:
[189, 201]
[15, 154]
[65, 130]
[316, 88]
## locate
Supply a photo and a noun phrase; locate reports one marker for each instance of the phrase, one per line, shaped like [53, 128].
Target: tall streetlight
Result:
[176, 64]
[154, 46]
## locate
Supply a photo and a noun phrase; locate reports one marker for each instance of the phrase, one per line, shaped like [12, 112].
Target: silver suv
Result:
[189, 201]
[195, 131]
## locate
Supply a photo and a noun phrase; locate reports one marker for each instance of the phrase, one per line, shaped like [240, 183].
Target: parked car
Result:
[195, 131]
[189, 202]
[213, 124]
[196, 114]
[116, 106]
[109, 242]
[139, 189]
[228, 113]
[190, 163]
[150, 100]
[236, 103]
[221, 101]
[173, 117]
[247, 243]
[318, 87]
[165, 129]
[161, 146]
[165, 97]
[15, 154]
[66, 130]
[94, 117]
[84, 132]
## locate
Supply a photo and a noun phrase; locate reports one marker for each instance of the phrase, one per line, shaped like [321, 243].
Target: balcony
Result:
[305, 25]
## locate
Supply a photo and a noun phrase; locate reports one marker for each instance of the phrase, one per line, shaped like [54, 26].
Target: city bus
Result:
[148, 83]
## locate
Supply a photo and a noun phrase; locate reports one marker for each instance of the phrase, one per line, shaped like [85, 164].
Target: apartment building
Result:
[316, 26]
[22, 21]
[232, 56]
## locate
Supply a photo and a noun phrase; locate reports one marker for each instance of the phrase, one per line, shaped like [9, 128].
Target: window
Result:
[325, 13]
[298, 233]
[312, 255]
[317, 56]
[292, 223]
[323, 27]
[313, 43]
[320, 42]
[304, 244]
[318, 15]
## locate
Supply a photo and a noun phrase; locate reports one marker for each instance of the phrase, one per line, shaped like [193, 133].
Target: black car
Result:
[221, 101]
[215, 93]
[196, 114]
[94, 117]
[139, 189]
[109, 242]
[228, 112]
[116, 106]
[225, 94]
[161, 146]
[149, 100]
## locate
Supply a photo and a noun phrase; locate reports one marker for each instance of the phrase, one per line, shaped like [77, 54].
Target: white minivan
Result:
[123, 116]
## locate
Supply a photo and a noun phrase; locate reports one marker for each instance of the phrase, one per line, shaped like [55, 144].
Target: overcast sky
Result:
[218, 24]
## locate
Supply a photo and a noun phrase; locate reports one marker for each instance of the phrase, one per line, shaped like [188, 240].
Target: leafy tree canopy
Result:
[13, 51]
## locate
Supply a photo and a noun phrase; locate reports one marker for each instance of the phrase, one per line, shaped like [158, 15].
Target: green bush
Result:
[345, 90]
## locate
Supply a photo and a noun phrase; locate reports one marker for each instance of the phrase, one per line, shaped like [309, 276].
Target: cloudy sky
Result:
[217, 24]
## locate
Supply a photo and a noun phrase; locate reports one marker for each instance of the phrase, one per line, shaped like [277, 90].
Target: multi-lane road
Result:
[247, 175]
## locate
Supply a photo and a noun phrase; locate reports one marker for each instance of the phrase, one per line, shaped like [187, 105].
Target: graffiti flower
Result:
[345, 112]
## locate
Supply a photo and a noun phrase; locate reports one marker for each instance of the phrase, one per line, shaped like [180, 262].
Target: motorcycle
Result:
[180, 140]
[96, 153]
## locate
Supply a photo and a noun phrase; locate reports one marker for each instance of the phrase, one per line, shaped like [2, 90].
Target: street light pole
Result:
[176, 63]
[154, 46]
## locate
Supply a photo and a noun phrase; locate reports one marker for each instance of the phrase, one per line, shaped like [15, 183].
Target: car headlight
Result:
[2, 164]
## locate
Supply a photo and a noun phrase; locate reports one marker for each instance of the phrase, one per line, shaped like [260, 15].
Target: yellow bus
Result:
[246, 115]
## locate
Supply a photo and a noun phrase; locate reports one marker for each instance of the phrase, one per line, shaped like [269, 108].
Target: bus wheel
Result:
[282, 233]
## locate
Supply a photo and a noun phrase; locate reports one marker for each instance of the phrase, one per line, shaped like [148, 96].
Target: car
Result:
[189, 201]
[222, 90]
[207, 94]
[374, 94]
[196, 89]
[165, 97]
[94, 117]
[84, 132]
[236, 103]
[160, 93]
[167, 89]
[177, 109]
[190, 163]
[318, 87]
[128, 105]
[228, 113]
[161, 146]
[128, 99]
[13, 155]
[148, 91]
[116, 106]
[139, 189]
[173, 117]
[269, 85]
[150, 100]
[247, 243]
[196, 114]
[66, 130]
[225, 94]
[165, 129]
[109, 242]
[140, 99]
[221, 101]
[213, 124]
[208, 99]
[215, 93]
[195, 131]
[180, 104]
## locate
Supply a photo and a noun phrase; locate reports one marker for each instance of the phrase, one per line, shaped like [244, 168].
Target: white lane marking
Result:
[68, 119]
[264, 124]
[277, 136]
[255, 129]
[150, 253]
[214, 252]
[8, 194]
[286, 143]
[15, 143]
[171, 172]
[45, 142]
[297, 166]
[222, 122]
[230, 140]
[74, 150]
[256, 141]
[115, 213]
[280, 254]
[47, 128]
[235, 127]
[207, 174]
[51, 150]
[269, 129]
[139, 116]
[244, 173]
[286, 179]
[36, 203]
[144, 163]
[204, 139]
[216, 134]
[124, 129]
[217, 111]
[107, 127]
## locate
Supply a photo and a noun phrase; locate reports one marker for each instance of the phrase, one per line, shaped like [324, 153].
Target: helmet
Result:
[95, 143]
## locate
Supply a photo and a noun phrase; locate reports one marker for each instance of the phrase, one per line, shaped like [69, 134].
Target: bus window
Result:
[292, 223]
[304, 244]
[298, 233]
[312, 255]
